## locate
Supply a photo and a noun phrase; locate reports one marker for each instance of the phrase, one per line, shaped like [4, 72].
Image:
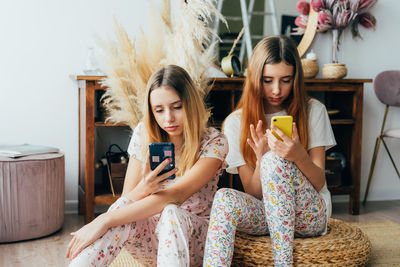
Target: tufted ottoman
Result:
[31, 196]
[343, 245]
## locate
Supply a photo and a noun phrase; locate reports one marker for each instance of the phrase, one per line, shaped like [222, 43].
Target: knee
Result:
[171, 216]
[221, 194]
[170, 209]
[271, 161]
[225, 198]
[271, 158]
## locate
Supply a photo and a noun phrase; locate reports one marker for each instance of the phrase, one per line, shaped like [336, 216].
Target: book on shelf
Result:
[16, 151]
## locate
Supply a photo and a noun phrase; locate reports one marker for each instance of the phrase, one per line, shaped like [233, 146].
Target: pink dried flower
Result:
[324, 20]
[367, 20]
[328, 4]
[316, 5]
[342, 18]
[336, 14]
[301, 21]
[303, 7]
[365, 5]
[297, 31]
[354, 4]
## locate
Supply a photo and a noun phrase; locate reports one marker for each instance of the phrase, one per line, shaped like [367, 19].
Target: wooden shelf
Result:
[342, 121]
[345, 95]
[106, 199]
[340, 190]
[103, 124]
[89, 77]
[227, 84]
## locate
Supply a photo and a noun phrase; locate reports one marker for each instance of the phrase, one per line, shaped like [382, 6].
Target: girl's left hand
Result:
[86, 235]
[289, 149]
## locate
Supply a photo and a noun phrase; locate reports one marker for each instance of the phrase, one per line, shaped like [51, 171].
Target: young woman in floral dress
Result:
[284, 181]
[158, 220]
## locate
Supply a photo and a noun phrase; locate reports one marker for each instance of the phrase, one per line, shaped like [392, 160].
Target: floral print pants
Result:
[290, 206]
[173, 238]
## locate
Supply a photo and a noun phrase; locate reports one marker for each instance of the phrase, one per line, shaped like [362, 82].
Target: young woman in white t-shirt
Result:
[284, 181]
[161, 221]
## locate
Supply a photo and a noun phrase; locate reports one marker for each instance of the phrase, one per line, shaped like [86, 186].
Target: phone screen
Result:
[158, 153]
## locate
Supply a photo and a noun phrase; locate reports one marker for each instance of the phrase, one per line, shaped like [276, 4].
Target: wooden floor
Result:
[50, 250]
[372, 212]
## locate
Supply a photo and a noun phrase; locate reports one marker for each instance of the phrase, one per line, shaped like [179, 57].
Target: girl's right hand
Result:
[259, 144]
[87, 235]
[151, 182]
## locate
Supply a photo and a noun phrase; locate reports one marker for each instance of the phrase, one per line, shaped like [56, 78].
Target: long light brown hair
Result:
[178, 79]
[271, 50]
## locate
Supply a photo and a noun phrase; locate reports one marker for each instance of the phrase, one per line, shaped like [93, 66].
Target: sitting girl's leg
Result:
[181, 236]
[291, 205]
[103, 251]
[231, 209]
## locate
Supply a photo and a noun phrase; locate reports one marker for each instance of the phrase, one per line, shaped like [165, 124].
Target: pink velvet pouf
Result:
[31, 196]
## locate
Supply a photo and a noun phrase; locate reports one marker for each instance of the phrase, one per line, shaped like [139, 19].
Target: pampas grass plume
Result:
[184, 41]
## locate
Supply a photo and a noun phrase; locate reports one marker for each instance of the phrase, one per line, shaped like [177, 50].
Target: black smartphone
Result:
[158, 153]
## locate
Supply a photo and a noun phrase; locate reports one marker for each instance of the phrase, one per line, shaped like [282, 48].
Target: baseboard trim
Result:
[339, 199]
[71, 207]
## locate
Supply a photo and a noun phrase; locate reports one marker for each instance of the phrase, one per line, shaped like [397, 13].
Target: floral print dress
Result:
[177, 235]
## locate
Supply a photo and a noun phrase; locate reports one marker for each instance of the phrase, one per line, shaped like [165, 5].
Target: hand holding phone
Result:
[284, 123]
[158, 153]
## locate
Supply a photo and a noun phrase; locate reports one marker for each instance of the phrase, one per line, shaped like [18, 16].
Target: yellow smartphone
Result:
[284, 123]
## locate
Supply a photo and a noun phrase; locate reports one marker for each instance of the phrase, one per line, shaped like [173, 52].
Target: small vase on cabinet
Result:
[334, 70]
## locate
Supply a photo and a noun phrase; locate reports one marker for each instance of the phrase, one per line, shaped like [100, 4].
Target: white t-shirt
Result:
[319, 134]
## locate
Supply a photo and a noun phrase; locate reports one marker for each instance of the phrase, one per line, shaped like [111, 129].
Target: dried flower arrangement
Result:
[336, 15]
[184, 40]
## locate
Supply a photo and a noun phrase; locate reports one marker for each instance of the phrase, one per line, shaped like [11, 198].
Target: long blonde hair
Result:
[192, 102]
[271, 50]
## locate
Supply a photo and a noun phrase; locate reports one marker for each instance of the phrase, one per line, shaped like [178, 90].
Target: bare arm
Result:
[132, 176]
[250, 176]
[193, 180]
[313, 166]
[141, 181]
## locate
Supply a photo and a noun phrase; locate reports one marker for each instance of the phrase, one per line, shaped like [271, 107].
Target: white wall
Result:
[376, 52]
[44, 41]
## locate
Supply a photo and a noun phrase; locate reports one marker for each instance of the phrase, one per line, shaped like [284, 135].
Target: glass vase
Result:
[336, 33]
[91, 64]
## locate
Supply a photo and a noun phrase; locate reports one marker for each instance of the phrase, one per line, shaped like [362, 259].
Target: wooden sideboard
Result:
[344, 95]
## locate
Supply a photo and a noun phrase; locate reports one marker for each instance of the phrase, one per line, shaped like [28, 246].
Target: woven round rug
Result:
[124, 259]
[343, 245]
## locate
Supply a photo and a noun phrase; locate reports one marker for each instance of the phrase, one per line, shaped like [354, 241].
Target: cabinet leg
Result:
[354, 204]
[89, 215]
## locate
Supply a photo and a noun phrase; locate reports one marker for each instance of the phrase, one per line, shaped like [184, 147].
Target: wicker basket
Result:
[343, 245]
[310, 67]
[334, 71]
